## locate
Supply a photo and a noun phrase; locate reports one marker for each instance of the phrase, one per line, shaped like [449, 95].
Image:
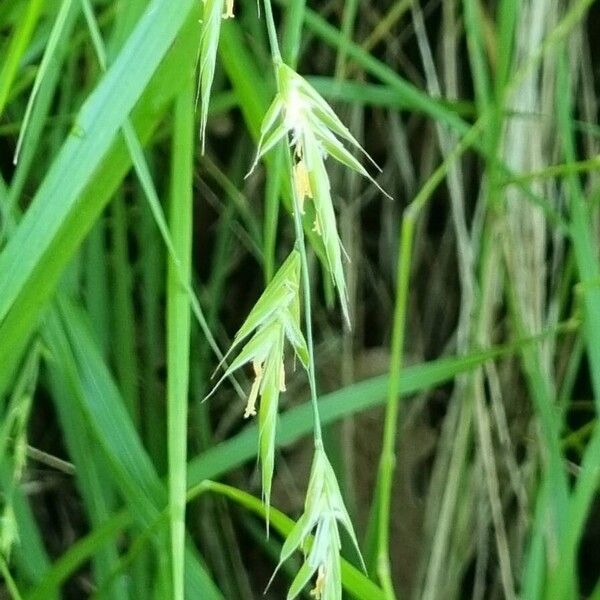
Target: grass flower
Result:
[214, 11]
[274, 319]
[315, 132]
[324, 509]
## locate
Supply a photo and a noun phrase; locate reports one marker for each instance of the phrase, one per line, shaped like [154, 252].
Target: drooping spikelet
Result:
[274, 319]
[323, 509]
[299, 113]
[214, 11]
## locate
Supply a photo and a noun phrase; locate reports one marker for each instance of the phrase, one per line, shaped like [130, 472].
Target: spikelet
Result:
[324, 509]
[274, 320]
[214, 11]
[315, 132]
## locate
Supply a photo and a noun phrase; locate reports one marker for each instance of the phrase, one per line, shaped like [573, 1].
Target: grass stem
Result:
[178, 327]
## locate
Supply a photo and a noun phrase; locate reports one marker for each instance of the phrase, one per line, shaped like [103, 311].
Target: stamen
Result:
[302, 183]
[282, 387]
[251, 405]
[316, 226]
[317, 591]
[228, 14]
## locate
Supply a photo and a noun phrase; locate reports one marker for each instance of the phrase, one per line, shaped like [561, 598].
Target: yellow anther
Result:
[251, 405]
[316, 227]
[228, 14]
[317, 591]
[282, 387]
[302, 183]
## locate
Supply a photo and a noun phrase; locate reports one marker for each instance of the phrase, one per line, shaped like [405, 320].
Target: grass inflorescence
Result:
[232, 365]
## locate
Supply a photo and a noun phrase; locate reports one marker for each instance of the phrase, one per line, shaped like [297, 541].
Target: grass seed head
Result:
[324, 509]
[274, 320]
[214, 11]
[315, 132]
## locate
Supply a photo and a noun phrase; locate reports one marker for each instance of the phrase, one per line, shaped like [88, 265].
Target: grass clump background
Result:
[370, 228]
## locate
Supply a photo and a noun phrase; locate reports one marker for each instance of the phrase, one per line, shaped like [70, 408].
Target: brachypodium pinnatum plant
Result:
[311, 131]
[127, 253]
